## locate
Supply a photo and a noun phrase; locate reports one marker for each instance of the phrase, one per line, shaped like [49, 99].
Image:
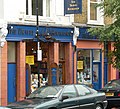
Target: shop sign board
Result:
[73, 6]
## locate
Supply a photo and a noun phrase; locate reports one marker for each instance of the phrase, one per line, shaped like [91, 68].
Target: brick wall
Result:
[4, 75]
[82, 18]
[21, 73]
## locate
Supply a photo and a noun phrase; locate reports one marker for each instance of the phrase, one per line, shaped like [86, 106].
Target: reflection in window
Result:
[40, 8]
[96, 55]
[82, 90]
[69, 91]
[95, 73]
[11, 52]
[93, 10]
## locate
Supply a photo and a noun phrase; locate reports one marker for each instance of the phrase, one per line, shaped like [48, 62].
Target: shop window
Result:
[84, 66]
[43, 7]
[11, 52]
[96, 55]
[38, 67]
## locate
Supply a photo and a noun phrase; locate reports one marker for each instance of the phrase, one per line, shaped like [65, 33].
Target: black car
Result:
[112, 91]
[73, 96]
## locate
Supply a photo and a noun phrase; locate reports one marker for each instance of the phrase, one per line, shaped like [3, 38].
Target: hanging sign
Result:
[72, 6]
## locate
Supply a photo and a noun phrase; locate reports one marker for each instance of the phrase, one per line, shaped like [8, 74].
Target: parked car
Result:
[72, 96]
[112, 90]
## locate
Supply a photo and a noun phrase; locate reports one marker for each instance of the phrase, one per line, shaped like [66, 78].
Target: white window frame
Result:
[44, 8]
[100, 17]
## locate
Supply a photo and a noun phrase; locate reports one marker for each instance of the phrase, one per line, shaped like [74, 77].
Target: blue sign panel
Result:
[73, 6]
[21, 32]
[54, 76]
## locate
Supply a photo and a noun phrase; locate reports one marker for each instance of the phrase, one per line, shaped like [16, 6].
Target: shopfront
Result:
[89, 59]
[25, 71]
[61, 63]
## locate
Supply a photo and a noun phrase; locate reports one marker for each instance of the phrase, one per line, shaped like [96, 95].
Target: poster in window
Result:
[79, 65]
[30, 59]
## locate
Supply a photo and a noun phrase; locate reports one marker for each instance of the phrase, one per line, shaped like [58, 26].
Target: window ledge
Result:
[41, 18]
[95, 23]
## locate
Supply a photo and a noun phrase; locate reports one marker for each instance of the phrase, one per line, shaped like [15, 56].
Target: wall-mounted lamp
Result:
[48, 36]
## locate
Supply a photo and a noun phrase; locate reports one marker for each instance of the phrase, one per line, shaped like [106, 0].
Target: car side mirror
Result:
[64, 97]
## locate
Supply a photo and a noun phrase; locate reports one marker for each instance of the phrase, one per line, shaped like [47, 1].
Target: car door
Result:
[70, 102]
[86, 98]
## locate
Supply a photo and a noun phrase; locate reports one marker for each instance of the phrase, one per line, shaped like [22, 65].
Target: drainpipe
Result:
[75, 35]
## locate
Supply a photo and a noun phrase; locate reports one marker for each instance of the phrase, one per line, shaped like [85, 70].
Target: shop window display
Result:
[88, 65]
[84, 66]
[37, 67]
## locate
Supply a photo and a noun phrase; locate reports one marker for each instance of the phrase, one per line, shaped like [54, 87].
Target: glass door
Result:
[97, 70]
[96, 74]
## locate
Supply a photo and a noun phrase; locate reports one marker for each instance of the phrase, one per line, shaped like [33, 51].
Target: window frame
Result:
[100, 18]
[29, 8]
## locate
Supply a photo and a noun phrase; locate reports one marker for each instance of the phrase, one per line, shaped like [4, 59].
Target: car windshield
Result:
[113, 84]
[45, 92]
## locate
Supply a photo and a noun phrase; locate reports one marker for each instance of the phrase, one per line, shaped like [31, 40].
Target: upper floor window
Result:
[43, 7]
[95, 15]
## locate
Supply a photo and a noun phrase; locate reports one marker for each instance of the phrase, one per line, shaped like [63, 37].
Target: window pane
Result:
[82, 90]
[69, 91]
[26, 7]
[96, 55]
[93, 11]
[95, 72]
[11, 52]
[40, 7]
[47, 8]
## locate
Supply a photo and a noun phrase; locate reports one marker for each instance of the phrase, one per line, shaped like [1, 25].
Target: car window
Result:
[46, 92]
[69, 91]
[113, 84]
[82, 91]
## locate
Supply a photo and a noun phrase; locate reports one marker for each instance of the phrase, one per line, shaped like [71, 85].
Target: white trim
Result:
[100, 18]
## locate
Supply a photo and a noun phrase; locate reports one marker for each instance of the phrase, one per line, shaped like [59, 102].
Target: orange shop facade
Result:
[62, 63]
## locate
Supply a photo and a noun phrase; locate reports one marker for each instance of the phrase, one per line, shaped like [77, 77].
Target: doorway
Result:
[96, 75]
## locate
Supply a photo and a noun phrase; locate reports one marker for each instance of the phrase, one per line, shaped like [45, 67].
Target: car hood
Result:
[28, 103]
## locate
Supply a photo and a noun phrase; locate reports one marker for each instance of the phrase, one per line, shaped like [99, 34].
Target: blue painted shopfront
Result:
[27, 32]
[18, 33]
